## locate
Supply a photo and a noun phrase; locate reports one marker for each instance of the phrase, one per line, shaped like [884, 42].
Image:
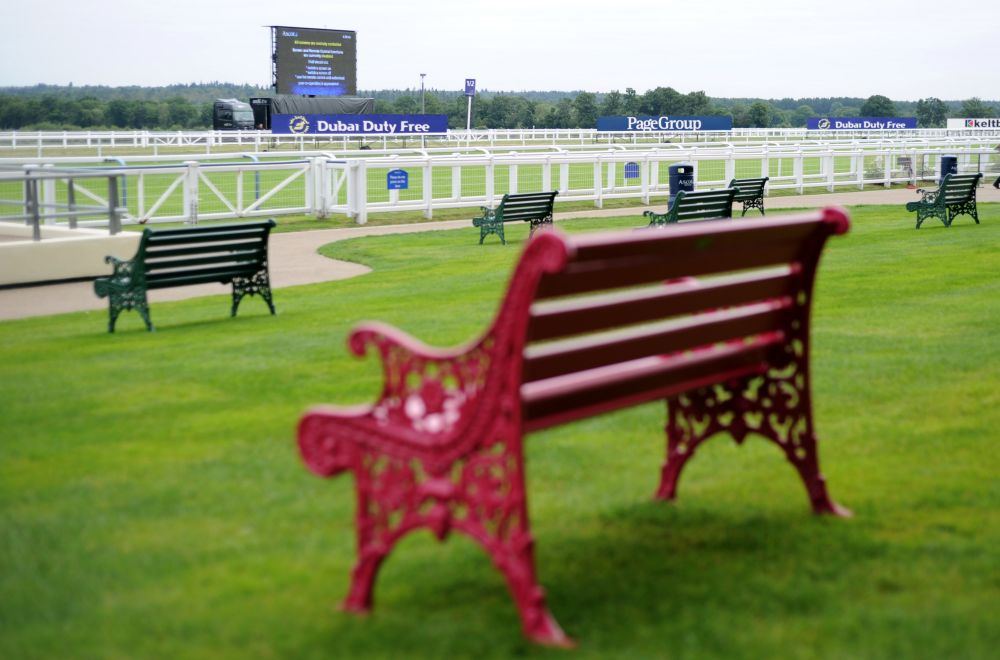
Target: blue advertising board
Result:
[397, 180]
[470, 86]
[860, 123]
[631, 170]
[664, 123]
[359, 124]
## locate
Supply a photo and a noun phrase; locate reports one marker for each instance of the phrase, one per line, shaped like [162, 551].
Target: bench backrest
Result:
[748, 188]
[526, 206]
[958, 188]
[619, 319]
[702, 205]
[207, 253]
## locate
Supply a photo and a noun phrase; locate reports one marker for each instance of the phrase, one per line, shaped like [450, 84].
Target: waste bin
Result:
[681, 178]
[949, 165]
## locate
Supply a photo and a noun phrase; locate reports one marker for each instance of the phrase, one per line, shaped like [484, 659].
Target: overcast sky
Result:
[796, 48]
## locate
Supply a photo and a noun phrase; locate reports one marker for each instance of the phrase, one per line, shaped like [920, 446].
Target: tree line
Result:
[179, 107]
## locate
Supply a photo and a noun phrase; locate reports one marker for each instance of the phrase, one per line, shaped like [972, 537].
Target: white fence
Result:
[101, 143]
[322, 185]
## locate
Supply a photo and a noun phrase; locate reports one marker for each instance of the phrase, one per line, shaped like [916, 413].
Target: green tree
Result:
[406, 105]
[613, 104]
[878, 106]
[801, 115]
[630, 104]
[931, 112]
[974, 107]
[740, 115]
[585, 110]
[759, 114]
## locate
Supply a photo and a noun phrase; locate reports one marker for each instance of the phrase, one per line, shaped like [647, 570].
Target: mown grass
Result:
[152, 504]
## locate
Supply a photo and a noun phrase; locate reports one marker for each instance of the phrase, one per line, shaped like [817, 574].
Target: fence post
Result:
[71, 202]
[830, 166]
[797, 167]
[598, 184]
[31, 203]
[114, 219]
[191, 192]
[730, 166]
[490, 180]
[360, 189]
[563, 178]
[644, 178]
[428, 189]
[48, 202]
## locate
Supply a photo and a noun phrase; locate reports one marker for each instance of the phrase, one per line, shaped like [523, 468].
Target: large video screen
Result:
[310, 62]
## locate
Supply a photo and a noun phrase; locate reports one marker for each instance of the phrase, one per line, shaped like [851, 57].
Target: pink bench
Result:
[712, 318]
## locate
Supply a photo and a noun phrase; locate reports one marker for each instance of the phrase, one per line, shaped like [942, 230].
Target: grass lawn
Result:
[152, 503]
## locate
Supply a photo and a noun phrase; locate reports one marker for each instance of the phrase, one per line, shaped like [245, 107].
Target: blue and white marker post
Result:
[470, 91]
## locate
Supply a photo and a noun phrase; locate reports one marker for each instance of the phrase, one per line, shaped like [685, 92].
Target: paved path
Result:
[294, 258]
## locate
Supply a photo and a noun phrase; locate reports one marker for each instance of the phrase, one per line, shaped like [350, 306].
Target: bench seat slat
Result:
[221, 275]
[558, 318]
[584, 394]
[182, 249]
[246, 259]
[630, 272]
[692, 332]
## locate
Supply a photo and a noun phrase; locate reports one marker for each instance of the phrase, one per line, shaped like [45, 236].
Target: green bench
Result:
[956, 195]
[535, 208]
[750, 192]
[235, 253]
[696, 205]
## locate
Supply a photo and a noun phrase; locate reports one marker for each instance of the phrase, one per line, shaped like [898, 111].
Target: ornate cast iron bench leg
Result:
[775, 405]
[258, 284]
[480, 493]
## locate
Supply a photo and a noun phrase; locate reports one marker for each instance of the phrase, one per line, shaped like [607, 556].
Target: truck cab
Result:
[232, 115]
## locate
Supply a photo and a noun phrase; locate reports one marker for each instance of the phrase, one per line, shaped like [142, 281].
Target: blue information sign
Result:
[665, 123]
[359, 124]
[860, 123]
[397, 180]
[631, 170]
[470, 86]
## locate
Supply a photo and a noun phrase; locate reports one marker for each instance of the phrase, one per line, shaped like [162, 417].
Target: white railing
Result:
[324, 184]
[101, 143]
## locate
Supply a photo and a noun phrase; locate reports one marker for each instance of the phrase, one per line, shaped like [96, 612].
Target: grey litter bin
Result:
[949, 165]
[681, 178]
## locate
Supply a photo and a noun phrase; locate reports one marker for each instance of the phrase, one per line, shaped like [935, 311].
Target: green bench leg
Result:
[121, 301]
[258, 284]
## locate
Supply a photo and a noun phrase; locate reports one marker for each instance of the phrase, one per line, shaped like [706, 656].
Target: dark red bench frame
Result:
[720, 331]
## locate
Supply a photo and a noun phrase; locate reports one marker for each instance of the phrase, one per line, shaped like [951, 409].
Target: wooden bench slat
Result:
[563, 317]
[691, 332]
[221, 276]
[583, 394]
[631, 272]
[213, 248]
[251, 259]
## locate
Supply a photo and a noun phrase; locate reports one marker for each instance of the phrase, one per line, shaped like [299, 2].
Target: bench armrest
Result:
[488, 216]
[928, 196]
[425, 388]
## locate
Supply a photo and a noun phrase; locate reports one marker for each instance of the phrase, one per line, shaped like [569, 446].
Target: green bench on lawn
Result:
[956, 195]
[535, 208]
[696, 205]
